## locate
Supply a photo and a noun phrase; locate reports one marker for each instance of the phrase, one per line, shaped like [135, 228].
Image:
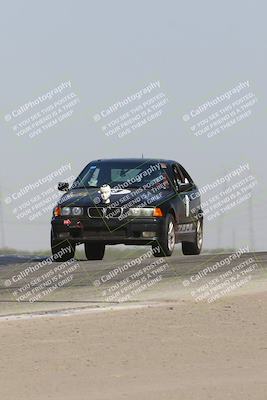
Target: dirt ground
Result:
[176, 350]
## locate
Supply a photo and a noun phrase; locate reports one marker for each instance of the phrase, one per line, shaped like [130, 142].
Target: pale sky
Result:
[109, 50]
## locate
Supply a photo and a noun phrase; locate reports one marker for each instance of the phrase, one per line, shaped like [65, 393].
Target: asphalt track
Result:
[48, 287]
[166, 341]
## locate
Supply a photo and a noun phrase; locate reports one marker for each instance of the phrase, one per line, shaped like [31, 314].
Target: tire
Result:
[194, 248]
[94, 251]
[62, 251]
[165, 246]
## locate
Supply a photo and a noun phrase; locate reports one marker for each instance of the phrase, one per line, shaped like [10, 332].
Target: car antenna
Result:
[142, 155]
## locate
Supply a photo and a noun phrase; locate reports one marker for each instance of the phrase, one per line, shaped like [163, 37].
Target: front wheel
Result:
[165, 246]
[94, 251]
[194, 248]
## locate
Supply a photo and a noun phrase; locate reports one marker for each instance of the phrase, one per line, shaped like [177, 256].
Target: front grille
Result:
[104, 212]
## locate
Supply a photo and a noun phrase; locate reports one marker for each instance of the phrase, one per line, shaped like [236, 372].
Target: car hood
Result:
[119, 198]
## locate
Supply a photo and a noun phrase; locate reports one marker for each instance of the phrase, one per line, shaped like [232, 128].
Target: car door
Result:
[182, 198]
[191, 195]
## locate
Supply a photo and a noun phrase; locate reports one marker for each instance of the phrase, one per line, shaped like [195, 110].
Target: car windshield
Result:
[122, 175]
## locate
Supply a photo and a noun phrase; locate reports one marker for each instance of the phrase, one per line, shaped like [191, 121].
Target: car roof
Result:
[139, 160]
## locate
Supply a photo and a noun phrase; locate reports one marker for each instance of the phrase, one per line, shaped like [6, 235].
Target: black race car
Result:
[129, 201]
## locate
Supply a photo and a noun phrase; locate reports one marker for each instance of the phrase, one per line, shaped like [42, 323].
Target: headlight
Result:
[65, 211]
[141, 212]
[77, 211]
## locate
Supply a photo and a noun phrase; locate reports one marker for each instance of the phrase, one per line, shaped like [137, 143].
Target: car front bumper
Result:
[134, 231]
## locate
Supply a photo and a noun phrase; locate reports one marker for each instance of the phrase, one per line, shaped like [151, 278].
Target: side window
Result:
[178, 177]
[186, 175]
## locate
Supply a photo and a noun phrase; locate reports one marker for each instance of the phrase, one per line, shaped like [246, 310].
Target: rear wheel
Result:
[62, 251]
[94, 251]
[165, 246]
[194, 248]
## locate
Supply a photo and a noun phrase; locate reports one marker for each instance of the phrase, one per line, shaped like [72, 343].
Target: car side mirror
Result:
[184, 187]
[63, 186]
